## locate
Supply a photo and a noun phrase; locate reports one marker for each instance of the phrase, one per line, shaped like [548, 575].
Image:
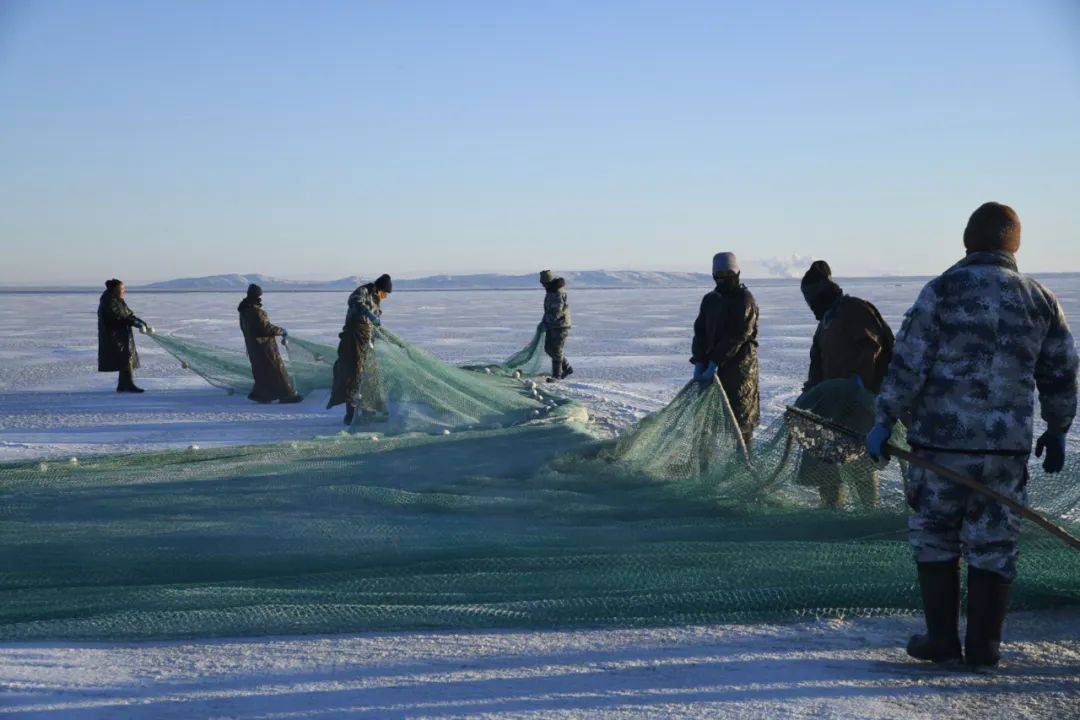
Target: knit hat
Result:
[993, 226]
[254, 291]
[725, 262]
[546, 277]
[818, 288]
[113, 284]
[385, 284]
[818, 274]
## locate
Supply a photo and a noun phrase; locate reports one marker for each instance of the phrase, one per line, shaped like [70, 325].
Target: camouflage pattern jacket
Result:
[556, 307]
[972, 351]
[363, 300]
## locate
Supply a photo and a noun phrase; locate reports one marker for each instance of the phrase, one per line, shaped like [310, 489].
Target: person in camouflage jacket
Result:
[556, 324]
[355, 382]
[979, 343]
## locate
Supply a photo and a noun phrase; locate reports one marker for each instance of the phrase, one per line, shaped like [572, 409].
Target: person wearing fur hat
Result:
[116, 342]
[980, 342]
[260, 337]
[852, 340]
[725, 343]
[556, 323]
[355, 372]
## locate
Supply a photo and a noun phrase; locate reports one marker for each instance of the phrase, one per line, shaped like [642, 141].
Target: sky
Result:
[152, 140]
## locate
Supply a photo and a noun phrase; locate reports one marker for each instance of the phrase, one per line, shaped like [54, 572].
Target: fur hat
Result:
[546, 277]
[385, 284]
[254, 291]
[725, 262]
[993, 226]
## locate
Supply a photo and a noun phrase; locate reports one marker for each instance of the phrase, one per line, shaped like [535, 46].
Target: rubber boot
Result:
[126, 383]
[940, 586]
[350, 410]
[567, 370]
[988, 602]
[291, 399]
[556, 370]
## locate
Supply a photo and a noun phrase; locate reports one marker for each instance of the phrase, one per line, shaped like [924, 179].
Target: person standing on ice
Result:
[355, 356]
[852, 340]
[980, 341]
[725, 343]
[116, 342]
[260, 337]
[556, 323]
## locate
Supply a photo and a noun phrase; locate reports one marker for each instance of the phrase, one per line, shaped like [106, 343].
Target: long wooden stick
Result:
[959, 478]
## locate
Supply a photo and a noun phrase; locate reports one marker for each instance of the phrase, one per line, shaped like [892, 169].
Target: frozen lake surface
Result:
[630, 350]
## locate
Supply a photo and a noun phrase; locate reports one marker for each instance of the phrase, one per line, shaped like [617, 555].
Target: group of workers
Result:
[979, 343]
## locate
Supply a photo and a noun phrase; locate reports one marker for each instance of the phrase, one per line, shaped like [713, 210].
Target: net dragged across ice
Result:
[538, 524]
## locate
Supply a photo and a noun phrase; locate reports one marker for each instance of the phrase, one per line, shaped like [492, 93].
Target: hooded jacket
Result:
[116, 342]
[725, 332]
[556, 306]
[267, 367]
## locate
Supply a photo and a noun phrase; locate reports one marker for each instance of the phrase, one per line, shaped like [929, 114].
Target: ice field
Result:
[629, 349]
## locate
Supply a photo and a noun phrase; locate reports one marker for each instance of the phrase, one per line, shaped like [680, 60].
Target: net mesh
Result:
[534, 524]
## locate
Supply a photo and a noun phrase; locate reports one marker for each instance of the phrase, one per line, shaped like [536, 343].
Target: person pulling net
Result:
[356, 371]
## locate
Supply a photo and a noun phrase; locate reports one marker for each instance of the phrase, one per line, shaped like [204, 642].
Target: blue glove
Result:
[1054, 445]
[284, 333]
[375, 319]
[877, 439]
[699, 371]
[138, 323]
[710, 371]
[858, 380]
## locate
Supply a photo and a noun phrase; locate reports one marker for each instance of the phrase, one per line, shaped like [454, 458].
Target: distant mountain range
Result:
[486, 281]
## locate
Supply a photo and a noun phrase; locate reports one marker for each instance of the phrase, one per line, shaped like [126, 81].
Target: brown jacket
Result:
[852, 337]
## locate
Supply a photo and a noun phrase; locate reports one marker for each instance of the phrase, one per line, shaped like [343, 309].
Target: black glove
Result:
[1054, 444]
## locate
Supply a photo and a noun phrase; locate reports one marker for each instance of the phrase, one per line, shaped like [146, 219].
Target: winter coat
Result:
[556, 307]
[355, 372]
[851, 337]
[979, 342]
[116, 342]
[725, 332]
[260, 336]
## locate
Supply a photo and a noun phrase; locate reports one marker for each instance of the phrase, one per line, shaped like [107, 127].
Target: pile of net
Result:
[535, 525]
[413, 390]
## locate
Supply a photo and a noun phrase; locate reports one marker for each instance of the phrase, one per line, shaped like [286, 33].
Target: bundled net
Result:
[538, 524]
[526, 362]
[412, 390]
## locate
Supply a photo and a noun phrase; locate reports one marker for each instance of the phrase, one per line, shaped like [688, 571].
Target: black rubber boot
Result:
[126, 383]
[291, 399]
[567, 370]
[988, 602]
[940, 586]
[349, 412]
[556, 370]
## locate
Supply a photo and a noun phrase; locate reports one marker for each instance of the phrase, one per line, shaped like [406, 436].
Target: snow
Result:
[629, 349]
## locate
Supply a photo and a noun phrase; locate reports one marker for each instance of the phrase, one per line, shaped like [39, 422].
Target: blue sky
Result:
[157, 139]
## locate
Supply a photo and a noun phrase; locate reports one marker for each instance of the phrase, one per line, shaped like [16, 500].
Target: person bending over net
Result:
[557, 324]
[975, 347]
[725, 343]
[260, 337]
[852, 340]
[355, 354]
[116, 342]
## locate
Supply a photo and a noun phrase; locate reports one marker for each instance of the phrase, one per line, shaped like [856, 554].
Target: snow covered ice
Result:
[629, 349]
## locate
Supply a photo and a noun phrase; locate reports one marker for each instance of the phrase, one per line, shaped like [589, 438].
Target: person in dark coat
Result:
[354, 371]
[852, 340]
[851, 337]
[116, 342]
[725, 343]
[556, 323]
[260, 336]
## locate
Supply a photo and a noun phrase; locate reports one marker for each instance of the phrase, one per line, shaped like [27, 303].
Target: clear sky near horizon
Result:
[150, 140]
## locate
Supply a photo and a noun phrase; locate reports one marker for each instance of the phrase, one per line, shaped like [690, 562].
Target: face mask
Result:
[823, 299]
[727, 283]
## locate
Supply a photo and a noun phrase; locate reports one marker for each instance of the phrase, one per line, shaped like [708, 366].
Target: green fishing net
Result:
[535, 524]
